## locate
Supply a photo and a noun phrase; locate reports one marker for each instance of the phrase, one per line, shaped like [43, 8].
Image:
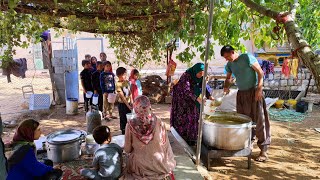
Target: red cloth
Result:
[134, 87]
[285, 67]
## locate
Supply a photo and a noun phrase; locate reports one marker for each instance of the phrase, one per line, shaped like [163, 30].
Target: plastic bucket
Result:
[72, 106]
[112, 97]
[95, 99]
[130, 116]
[89, 94]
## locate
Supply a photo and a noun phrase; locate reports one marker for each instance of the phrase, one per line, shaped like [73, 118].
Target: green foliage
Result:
[138, 36]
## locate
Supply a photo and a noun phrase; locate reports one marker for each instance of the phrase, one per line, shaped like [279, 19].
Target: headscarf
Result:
[23, 141]
[134, 87]
[144, 122]
[25, 132]
[193, 71]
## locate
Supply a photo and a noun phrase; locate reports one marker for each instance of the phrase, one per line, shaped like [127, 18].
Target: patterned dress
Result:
[184, 112]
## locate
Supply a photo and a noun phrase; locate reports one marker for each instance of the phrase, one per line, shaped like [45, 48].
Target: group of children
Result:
[98, 77]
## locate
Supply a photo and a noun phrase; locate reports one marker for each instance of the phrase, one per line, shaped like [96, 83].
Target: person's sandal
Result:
[262, 158]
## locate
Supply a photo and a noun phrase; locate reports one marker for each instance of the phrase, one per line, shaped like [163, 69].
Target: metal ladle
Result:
[218, 101]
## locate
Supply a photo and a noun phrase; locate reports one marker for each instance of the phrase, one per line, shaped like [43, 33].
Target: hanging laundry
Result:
[18, 68]
[267, 67]
[285, 67]
[294, 67]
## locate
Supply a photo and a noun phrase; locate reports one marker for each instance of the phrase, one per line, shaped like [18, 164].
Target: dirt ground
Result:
[294, 153]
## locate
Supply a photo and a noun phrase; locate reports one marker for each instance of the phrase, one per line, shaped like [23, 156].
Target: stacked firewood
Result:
[155, 88]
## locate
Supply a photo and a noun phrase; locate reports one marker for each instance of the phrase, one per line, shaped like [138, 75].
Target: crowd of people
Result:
[98, 77]
[148, 149]
[149, 153]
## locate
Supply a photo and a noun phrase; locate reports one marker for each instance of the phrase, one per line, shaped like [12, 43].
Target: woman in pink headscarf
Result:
[147, 143]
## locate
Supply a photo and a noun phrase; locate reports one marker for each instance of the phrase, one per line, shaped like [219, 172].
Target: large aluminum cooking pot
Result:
[65, 145]
[227, 130]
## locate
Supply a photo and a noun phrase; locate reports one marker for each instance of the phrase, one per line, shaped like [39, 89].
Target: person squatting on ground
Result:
[23, 163]
[250, 100]
[107, 161]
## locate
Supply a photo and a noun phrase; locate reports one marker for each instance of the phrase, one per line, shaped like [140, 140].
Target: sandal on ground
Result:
[262, 158]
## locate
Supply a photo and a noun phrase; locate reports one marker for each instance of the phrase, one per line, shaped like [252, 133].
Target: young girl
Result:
[23, 163]
[107, 161]
[135, 83]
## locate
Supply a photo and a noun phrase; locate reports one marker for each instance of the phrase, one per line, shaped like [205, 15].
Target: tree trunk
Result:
[295, 38]
[47, 54]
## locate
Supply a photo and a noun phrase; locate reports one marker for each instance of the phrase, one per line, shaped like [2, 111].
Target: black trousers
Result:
[100, 101]
[123, 111]
[87, 102]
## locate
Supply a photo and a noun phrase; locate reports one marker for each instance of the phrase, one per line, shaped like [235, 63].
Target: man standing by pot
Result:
[250, 100]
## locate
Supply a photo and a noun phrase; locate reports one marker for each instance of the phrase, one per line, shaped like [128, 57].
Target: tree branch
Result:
[261, 9]
[30, 9]
[293, 8]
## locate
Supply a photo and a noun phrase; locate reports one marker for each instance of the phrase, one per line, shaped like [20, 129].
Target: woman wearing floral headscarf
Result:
[186, 103]
[23, 163]
[146, 141]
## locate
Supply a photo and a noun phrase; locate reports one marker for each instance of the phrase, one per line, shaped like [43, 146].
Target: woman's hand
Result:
[211, 98]
[58, 166]
[199, 100]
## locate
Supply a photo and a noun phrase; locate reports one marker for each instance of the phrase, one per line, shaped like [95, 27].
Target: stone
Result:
[265, 83]
[290, 82]
[308, 75]
[284, 82]
[312, 82]
[305, 82]
[303, 75]
[284, 77]
[299, 76]
[276, 76]
[270, 76]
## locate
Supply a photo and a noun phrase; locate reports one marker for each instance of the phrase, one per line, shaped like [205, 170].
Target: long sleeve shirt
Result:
[28, 168]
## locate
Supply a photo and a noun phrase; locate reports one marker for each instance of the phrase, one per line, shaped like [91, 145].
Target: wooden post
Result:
[47, 57]
[199, 142]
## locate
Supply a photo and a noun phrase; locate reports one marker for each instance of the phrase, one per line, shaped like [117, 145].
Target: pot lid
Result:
[65, 136]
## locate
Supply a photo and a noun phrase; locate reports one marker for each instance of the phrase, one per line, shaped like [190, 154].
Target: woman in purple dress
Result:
[186, 103]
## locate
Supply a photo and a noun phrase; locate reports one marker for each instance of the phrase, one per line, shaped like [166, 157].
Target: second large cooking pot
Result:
[65, 145]
[227, 130]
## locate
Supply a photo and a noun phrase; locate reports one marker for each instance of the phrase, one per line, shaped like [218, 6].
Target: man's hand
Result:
[226, 91]
[85, 91]
[258, 94]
